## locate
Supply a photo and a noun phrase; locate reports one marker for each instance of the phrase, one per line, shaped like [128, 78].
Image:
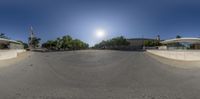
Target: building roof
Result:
[189, 40]
[7, 40]
[140, 39]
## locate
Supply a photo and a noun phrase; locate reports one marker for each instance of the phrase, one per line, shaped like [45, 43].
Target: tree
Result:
[23, 43]
[3, 46]
[58, 43]
[66, 43]
[78, 44]
[50, 44]
[113, 43]
[2, 35]
[151, 43]
[34, 42]
[178, 36]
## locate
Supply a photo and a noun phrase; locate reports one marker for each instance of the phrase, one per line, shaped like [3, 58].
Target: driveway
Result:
[97, 74]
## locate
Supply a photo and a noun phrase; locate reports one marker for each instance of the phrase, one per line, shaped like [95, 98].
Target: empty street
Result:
[97, 74]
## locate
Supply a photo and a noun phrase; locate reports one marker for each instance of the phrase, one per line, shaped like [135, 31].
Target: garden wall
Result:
[184, 55]
[8, 54]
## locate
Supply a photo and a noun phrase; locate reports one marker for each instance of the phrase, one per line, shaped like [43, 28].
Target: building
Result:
[181, 43]
[10, 44]
[139, 43]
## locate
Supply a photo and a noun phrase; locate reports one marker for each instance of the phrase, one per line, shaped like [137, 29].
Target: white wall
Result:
[16, 46]
[8, 54]
[185, 55]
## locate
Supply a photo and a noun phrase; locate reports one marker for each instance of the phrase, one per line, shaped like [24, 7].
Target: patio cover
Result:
[188, 40]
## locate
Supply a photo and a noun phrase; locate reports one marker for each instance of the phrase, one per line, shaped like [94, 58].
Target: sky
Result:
[82, 18]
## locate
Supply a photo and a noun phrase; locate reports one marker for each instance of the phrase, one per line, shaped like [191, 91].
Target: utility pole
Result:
[31, 38]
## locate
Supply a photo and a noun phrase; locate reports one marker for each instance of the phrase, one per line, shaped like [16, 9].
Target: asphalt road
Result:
[93, 74]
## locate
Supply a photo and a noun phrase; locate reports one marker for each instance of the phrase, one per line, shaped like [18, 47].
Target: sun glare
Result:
[100, 33]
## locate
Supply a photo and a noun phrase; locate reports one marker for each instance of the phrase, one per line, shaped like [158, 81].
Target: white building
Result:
[181, 43]
[10, 44]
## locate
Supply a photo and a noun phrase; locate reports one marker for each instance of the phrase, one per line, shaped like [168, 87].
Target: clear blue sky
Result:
[80, 18]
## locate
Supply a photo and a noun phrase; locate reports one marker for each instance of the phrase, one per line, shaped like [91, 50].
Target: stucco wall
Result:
[8, 54]
[16, 46]
[185, 55]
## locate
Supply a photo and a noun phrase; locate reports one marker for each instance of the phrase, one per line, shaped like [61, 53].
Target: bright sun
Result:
[100, 33]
